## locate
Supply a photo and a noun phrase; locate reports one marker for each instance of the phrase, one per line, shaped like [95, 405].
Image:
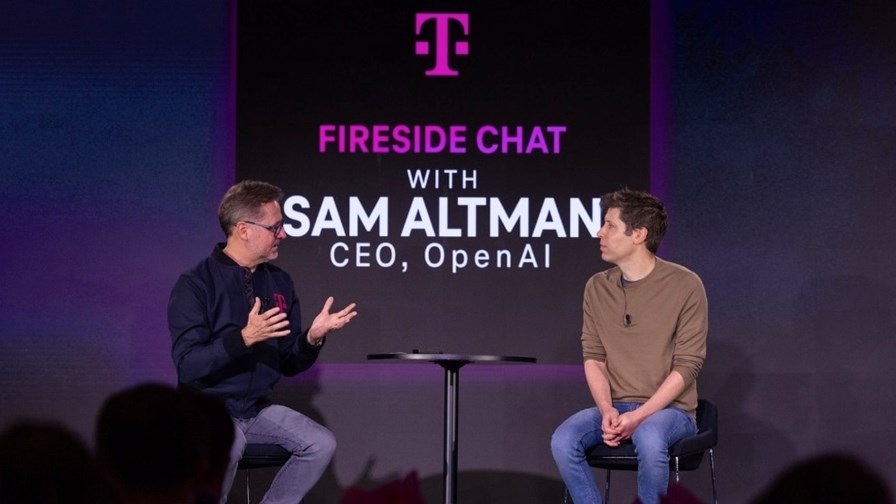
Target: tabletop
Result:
[448, 357]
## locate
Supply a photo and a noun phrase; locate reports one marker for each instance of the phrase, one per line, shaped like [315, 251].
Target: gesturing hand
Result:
[325, 321]
[262, 326]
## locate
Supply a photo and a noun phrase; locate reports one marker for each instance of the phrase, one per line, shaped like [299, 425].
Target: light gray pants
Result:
[312, 446]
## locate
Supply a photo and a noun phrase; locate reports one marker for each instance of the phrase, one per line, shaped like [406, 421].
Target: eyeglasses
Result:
[276, 228]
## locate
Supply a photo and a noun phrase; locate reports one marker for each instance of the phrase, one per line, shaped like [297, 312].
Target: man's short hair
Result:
[638, 209]
[244, 201]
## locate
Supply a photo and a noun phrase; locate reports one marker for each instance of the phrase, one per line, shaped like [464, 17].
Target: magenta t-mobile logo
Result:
[443, 46]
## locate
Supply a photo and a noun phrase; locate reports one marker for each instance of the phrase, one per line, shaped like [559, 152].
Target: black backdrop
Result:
[550, 109]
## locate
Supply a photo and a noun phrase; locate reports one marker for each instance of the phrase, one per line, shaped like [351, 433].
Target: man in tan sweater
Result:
[643, 343]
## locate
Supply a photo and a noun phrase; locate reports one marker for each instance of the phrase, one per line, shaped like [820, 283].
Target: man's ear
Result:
[639, 235]
[241, 231]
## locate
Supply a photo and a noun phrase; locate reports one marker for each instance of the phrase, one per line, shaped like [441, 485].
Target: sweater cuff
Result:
[306, 344]
[234, 344]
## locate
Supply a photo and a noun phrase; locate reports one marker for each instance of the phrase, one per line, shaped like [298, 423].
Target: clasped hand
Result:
[618, 428]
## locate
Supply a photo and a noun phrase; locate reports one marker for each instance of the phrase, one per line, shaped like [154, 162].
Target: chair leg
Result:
[712, 472]
[607, 492]
[248, 500]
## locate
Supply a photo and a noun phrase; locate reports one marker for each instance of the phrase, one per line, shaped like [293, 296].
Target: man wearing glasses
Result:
[236, 328]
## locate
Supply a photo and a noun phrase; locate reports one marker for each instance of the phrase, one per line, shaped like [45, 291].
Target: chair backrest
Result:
[689, 451]
[708, 420]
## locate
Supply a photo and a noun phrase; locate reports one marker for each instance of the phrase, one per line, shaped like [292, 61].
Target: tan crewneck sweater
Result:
[666, 331]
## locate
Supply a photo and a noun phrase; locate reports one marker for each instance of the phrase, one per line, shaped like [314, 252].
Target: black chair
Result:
[684, 455]
[257, 456]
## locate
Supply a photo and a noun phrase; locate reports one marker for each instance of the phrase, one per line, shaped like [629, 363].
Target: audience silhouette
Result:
[827, 479]
[158, 444]
[45, 463]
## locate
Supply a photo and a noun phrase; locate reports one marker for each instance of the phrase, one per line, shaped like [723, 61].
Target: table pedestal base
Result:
[452, 364]
[449, 467]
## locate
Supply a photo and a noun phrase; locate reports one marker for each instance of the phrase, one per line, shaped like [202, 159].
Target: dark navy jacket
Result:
[209, 305]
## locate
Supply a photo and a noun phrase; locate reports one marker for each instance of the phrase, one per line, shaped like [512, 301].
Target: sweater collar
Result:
[221, 258]
[219, 255]
[628, 283]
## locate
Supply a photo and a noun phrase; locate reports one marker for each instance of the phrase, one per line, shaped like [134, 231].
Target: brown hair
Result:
[638, 209]
[244, 201]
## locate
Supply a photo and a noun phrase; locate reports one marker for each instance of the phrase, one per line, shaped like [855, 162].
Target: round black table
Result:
[452, 364]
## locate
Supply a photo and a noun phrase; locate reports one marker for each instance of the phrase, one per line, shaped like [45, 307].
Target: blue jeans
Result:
[582, 431]
[312, 446]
